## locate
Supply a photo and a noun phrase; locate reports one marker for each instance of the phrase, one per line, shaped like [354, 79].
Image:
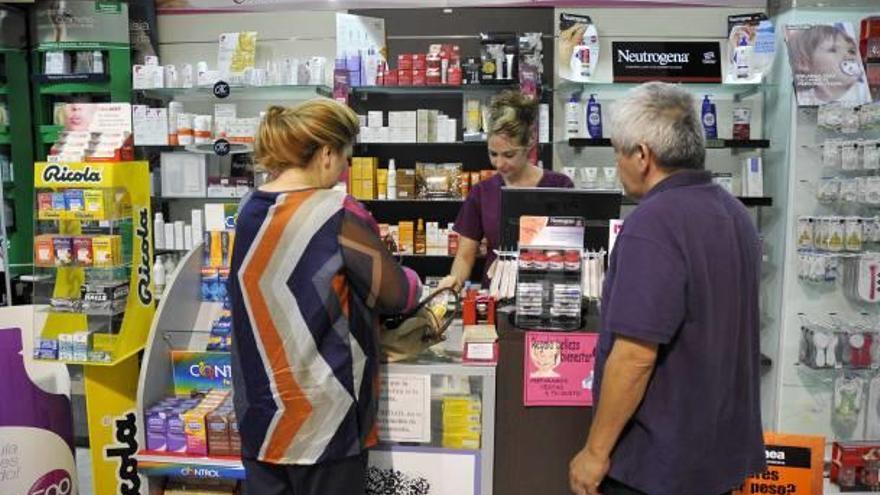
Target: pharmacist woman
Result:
[511, 138]
[309, 277]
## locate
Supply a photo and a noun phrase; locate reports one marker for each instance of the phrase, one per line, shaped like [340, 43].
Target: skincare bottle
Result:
[392, 180]
[742, 57]
[97, 62]
[159, 231]
[594, 118]
[710, 122]
[159, 275]
[572, 116]
[420, 239]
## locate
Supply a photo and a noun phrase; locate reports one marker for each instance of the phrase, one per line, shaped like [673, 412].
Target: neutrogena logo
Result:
[57, 482]
[652, 57]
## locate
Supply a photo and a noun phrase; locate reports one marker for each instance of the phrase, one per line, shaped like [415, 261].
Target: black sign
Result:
[797, 457]
[221, 147]
[221, 89]
[673, 61]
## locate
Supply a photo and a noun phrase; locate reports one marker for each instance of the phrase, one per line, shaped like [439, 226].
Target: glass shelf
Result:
[407, 201]
[752, 202]
[735, 91]
[403, 90]
[710, 143]
[184, 466]
[239, 93]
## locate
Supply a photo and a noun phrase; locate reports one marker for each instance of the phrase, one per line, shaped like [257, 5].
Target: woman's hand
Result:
[449, 282]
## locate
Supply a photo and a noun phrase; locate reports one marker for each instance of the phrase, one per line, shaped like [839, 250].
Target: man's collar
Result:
[681, 178]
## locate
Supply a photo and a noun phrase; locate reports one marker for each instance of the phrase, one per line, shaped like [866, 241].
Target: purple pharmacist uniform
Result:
[684, 274]
[481, 213]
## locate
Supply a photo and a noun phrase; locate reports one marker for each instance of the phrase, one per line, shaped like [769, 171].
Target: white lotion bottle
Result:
[159, 231]
[159, 275]
[392, 180]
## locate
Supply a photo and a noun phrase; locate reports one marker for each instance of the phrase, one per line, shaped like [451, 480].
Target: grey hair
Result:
[663, 117]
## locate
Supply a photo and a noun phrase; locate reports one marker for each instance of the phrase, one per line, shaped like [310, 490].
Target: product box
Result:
[82, 249]
[407, 237]
[196, 434]
[74, 201]
[96, 203]
[855, 467]
[63, 248]
[45, 209]
[234, 437]
[218, 432]
[406, 183]
[175, 440]
[753, 177]
[724, 180]
[107, 250]
[44, 250]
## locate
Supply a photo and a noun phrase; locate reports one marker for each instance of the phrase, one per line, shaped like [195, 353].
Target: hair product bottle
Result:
[594, 117]
[709, 117]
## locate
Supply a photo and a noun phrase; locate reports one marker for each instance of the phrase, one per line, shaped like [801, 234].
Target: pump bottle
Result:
[392, 180]
[594, 117]
[709, 117]
[572, 117]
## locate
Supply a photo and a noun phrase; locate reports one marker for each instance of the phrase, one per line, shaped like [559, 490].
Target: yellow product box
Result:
[195, 431]
[461, 420]
[107, 250]
[382, 183]
[356, 189]
[460, 442]
[98, 204]
[368, 188]
[357, 168]
[407, 237]
[461, 405]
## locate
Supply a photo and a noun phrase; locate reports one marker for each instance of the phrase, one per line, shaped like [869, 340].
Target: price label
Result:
[221, 147]
[221, 89]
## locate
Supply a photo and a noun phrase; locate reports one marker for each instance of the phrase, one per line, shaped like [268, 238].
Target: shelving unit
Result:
[16, 232]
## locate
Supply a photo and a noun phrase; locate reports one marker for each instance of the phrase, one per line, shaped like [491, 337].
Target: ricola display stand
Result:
[95, 297]
[36, 428]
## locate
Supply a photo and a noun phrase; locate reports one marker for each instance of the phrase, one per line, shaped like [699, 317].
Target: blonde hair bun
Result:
[513, 114]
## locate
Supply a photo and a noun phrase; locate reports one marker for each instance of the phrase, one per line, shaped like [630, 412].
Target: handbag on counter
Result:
[405, 337]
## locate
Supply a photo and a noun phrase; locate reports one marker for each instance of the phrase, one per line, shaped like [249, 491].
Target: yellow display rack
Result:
[119, 210]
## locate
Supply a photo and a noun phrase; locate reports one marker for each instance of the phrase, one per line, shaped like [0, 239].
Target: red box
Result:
[390, 78]
[432, 77]
[82, 251]
[453, 76]
[404, 77]
[404, 61]
[419, 78]
[419, 61]
[855, 466]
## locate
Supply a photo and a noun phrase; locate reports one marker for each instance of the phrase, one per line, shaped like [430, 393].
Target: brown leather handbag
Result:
[405, 337]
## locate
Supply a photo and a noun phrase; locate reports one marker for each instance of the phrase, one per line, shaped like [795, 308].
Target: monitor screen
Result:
[596, 207]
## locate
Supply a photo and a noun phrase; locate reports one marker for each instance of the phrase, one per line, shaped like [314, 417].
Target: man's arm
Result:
[624, 381]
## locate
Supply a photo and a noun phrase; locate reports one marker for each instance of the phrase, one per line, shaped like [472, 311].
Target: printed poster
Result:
[558, 368]
[826, 65]
[405, 408]
[96, 117]
[794, 466]
[423, 471]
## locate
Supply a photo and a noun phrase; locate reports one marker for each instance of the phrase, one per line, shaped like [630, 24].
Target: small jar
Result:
[572, 261]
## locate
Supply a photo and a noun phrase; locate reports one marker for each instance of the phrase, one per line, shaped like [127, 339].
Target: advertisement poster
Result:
[558, 368]
[563, 232]
[826, 65]
[416, 471]
[669, 61]
[794, 466]
[36, 429]
[577, 47]
[405, 408]
[80, 23]
[751, 45]
[196, 371]
[96, 117]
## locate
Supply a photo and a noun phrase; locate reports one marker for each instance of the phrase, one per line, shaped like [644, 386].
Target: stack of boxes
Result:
[101, 251]
[201, 426]
[363, 177]
[420, 126]
[85, 204]
[462, 422]
[440, 66]
[215, 264]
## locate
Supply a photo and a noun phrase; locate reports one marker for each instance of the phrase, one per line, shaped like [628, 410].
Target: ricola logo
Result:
[55, 482]
[652, 57]
[126, 448]
[59, 173]
[144, 269]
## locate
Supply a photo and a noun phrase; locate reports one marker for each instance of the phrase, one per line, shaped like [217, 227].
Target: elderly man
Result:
[677, 371]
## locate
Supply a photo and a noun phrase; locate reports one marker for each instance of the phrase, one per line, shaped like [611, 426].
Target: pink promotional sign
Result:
[558, 368]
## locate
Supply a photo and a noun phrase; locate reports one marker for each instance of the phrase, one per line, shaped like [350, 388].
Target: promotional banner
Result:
[751, 45]
[558, 368]
[670, 61]
[577, 47]
[794, 466]
[196, 371]
[36, 429]
[142, 30]
[826, 65]
[71, 24]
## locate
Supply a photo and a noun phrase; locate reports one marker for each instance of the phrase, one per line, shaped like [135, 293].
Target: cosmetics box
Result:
[753, 177]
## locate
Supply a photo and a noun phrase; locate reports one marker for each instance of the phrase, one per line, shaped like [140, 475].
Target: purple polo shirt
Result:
[684, 274]
[480, 215]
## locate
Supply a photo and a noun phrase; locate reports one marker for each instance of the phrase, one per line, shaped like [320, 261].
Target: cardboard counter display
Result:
[538, 442]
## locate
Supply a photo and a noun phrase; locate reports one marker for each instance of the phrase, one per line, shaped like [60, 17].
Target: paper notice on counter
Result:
[405, 408]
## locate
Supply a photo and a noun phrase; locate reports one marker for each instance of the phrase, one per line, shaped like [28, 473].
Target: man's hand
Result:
[586, 471]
